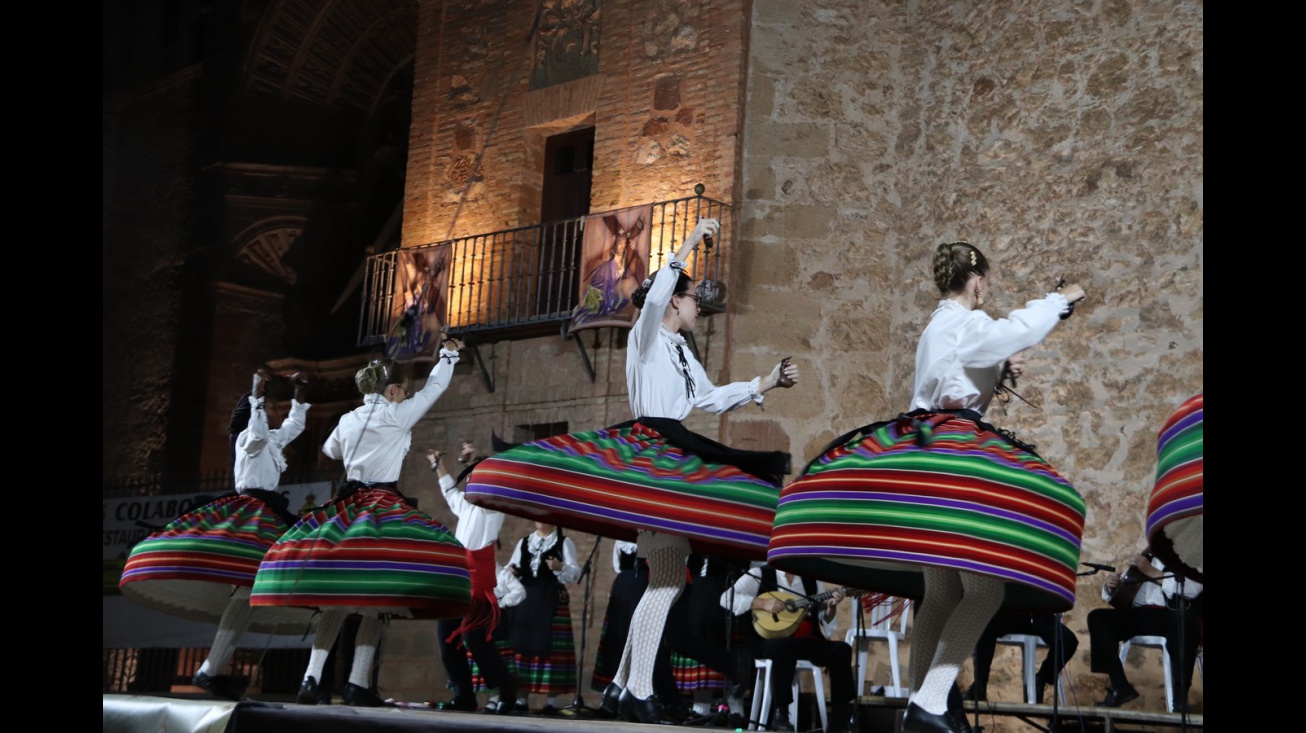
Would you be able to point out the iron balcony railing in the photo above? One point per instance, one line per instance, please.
(525, 281)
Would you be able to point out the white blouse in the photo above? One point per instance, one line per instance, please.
(477, 526)
(960, 356)
(259, 451)
(663, 376)
(373, 439)
(570, 572)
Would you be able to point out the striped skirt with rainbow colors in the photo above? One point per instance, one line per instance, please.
(618, 480)
(369, 550)
(1175, 510)
(932, 489)
(191, 566)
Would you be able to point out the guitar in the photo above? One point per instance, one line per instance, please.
(785, 623)
(1130, 581)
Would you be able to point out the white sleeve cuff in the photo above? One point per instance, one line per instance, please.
(754, 392)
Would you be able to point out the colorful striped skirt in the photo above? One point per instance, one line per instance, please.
(191, 567)
(553, 672)
(368, 550)
(1175, 510)
(933, 489)
(616, 481)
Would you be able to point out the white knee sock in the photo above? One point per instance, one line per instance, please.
(328, 628)
(981, 597)
(235, 619)
(369, 636)
(666, 580)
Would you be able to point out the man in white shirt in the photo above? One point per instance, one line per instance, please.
(809, 640)
(1154, 611)
(478, 531)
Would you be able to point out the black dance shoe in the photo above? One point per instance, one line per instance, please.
(609, 706)
(648, 710)
(363, 697)
(307, 691)
(1117, 697)
(917, 720)
(220, 685)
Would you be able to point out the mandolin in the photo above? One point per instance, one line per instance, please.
(785, 623)
(1130, 581)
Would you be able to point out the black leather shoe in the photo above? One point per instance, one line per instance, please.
(307, 691)
(608, 706)
(1115, 698)
(220, 685)
(917, 720)
(780, 719)
(363, 697)
(977, 693)
(648, 710)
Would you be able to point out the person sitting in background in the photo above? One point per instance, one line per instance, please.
(810, 641)
(1154, 611)
(1061, 642)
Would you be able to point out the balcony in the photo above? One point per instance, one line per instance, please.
(532, 281)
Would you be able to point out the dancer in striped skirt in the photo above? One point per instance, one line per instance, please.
(938, 505)
(1175, 509)
(370, 551)
(202, 564)
(545, 561)
(651, 478)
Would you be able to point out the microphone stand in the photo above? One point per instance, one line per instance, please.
(578, 705)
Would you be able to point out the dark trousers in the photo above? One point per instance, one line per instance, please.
(484, 651)
(1108, 627)
(1043, 625)
(687, 638)
(784, 653)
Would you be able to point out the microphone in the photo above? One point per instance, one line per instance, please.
(1098, 566)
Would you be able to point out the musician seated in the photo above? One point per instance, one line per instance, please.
(795, 635)
(1146, 602)
(1061, 641)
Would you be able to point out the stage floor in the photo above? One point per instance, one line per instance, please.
(190, 714)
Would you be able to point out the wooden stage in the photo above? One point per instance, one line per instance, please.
(202, 714)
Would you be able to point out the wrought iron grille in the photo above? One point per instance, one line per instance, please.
(526, 281)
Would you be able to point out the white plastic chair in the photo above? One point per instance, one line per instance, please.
(1030, 644)
(1154, 642)
(762, 694)
(888, 623)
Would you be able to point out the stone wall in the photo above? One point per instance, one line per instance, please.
(1060, 139)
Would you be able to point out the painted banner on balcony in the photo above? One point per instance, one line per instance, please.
(420, 302)
(615, 254)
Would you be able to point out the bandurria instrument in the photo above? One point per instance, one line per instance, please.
(785, 623)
